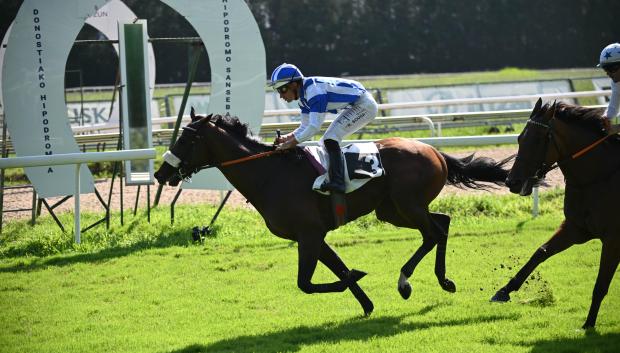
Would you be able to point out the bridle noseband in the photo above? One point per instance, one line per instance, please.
(183, 169)
(545, 167)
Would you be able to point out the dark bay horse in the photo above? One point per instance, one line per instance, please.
(573, 137)
(279, 187)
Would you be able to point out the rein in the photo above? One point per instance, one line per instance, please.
(546, 168)
(589, 147)
(243, 159)
(184, 174)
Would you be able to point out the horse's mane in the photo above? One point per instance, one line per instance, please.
(233, 125)
(588, 118)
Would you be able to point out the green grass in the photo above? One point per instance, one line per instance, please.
(147, 288)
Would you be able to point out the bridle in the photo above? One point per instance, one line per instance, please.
(185, 170)
(547, 167)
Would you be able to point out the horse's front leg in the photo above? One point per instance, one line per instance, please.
(309, 250)
(565, 237)
(330, 259)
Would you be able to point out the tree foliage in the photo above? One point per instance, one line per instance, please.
(380, 37)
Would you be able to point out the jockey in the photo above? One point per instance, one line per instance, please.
(610, 62)
(318, 95)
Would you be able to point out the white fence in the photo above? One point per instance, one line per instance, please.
(428, 119)
(78, 159)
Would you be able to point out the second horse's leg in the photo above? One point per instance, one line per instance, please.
(563, 238)
(610, 257)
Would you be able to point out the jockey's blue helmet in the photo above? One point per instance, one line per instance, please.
(610, 55)
(284, 74)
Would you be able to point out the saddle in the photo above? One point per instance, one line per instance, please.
(362, 163)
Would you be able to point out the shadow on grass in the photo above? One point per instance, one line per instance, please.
(178, 237)
(359, 329)
(590, 342)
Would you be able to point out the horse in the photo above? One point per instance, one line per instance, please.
(575, 139)
(278, 183)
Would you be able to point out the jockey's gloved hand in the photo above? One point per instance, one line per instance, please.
(607, 124)
(278, 140)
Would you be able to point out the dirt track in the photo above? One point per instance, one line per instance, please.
(22, 198)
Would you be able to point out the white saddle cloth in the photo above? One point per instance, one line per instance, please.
(362, 163)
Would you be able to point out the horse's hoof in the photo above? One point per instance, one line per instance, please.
(501, 296)
(448, 285)
(355, 275)
(588, 326)
(405, 290)
(368, 309)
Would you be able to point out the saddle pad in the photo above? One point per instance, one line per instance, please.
(362, 163)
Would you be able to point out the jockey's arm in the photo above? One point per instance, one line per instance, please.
(304, 132)
(614, 101)
(315, 120)
(305, 120)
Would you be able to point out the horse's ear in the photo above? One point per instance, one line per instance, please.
(550, 113)
(538, 105)
(192, 114)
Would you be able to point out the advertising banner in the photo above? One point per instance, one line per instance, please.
(483, 90)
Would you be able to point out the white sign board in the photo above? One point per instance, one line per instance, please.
(33, 78)
(237, 58)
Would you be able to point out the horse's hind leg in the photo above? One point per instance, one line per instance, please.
(433, 228)
(442, 225)
(610, 257)
(404, 288)
(330, 259)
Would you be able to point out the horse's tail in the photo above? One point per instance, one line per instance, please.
(471, 171)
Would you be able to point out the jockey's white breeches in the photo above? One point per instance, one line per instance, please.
(352, 118)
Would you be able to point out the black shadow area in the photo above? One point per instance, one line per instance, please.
(590, 342)
(359, 329)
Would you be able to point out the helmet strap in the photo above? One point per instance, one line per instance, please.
(297, 89)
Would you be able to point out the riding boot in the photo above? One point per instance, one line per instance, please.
(336, 184)
(336, 168)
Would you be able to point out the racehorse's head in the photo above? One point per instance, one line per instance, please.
(183, 160)
(537, 151)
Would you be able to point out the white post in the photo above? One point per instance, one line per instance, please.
(76, 197)
(535, 199)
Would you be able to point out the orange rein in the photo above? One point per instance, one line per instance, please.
(591, 146)
(249, 158)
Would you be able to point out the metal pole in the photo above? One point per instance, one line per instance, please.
(33, 213)
(177, 125)
(4, 155)
(535, 200)
(76, 197)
